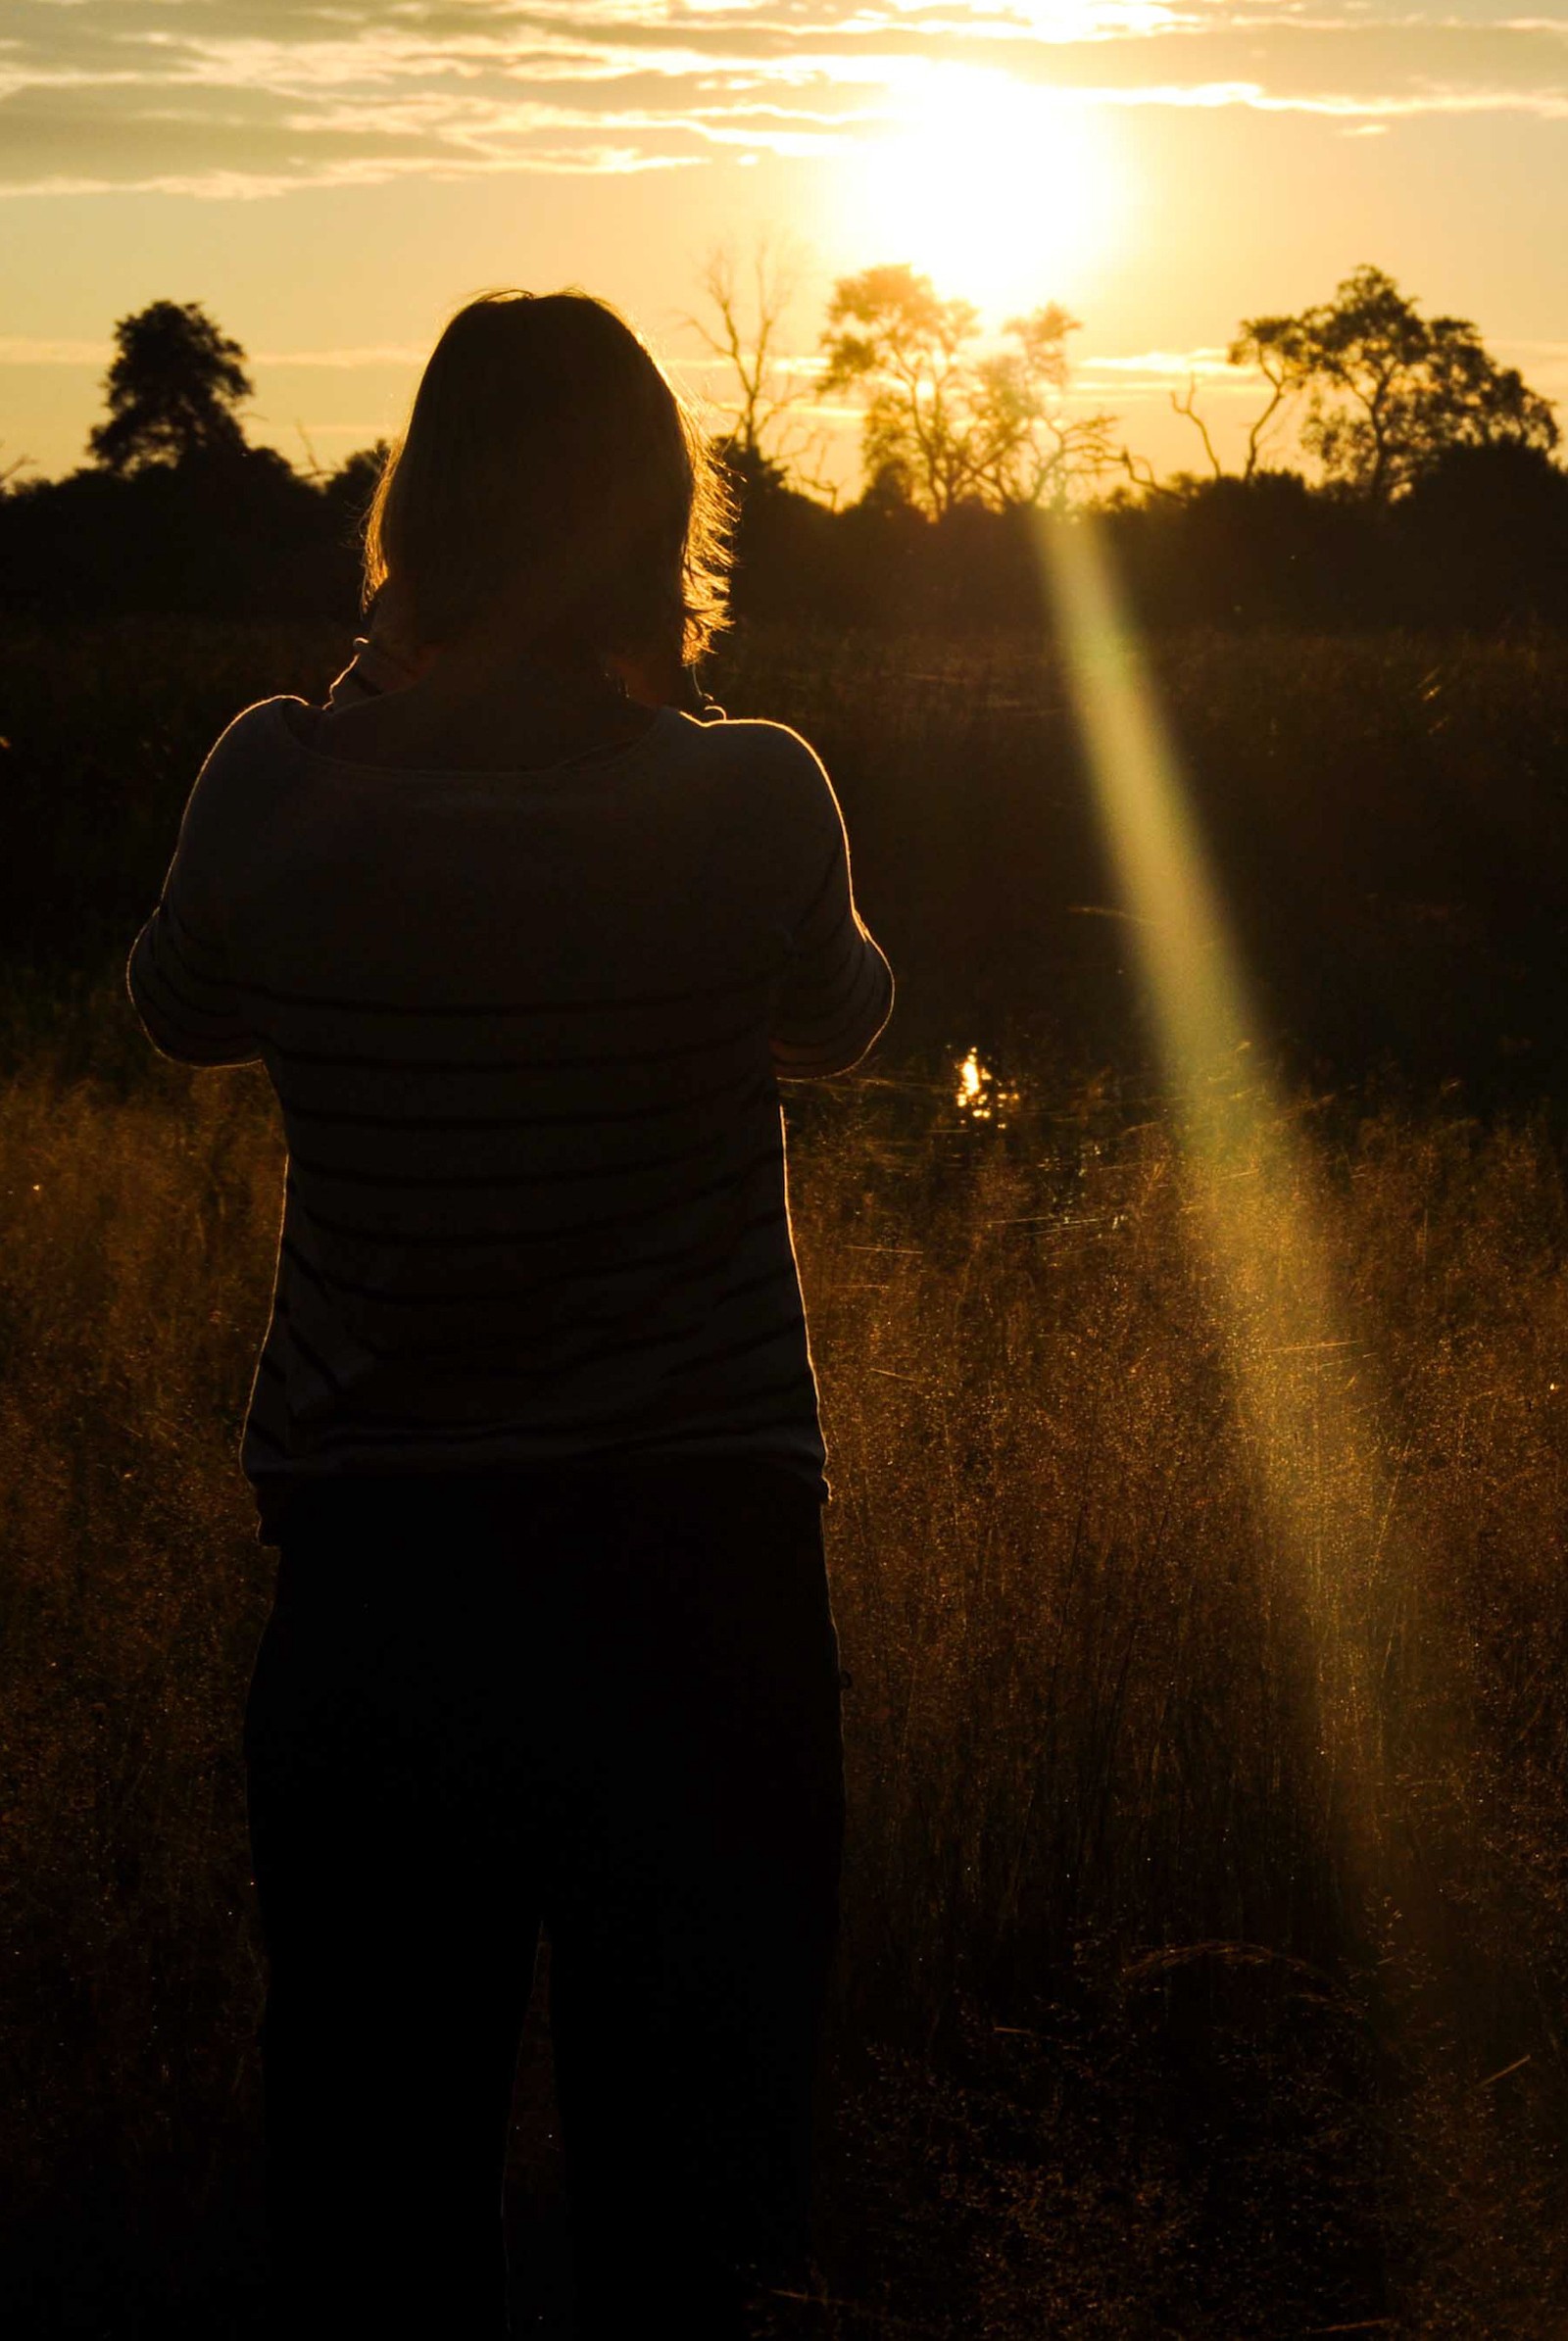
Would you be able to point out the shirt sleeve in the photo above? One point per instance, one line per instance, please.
(179, 976)
(837, 991)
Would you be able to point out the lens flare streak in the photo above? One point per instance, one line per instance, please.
(1299, 1369)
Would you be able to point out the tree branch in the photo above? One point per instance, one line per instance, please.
(1144, 479)
(1190, 409)
(1254, 437)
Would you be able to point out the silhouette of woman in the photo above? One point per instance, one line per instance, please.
(524, 949)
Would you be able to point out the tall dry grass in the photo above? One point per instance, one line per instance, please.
(1124, 2044)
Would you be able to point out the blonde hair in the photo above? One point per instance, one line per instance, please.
(551, 471)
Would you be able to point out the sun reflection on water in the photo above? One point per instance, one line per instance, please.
(981, 1094)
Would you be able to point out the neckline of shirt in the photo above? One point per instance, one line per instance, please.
(596, 760)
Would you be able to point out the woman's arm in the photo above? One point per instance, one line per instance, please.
(187, 1010)
(838, 988)
(178, 975)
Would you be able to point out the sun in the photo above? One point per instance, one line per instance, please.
(1003, 193)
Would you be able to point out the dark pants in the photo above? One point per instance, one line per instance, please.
(606, 1703)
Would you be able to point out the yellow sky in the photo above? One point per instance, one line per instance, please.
(330, 181)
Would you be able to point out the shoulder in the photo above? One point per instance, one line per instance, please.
(241, 777)
(254, 749)
(771, 763)
(270, 728)
(271, 731)
(755, 739)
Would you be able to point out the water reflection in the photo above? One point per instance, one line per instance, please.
(981, 1094)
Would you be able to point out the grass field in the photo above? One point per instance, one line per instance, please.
(1205, 1948)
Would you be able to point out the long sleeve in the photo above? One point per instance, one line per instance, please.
(180, 982)
(838, 988)
(179, 976)
(189, 1013)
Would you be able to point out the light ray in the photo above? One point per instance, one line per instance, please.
(1298, 1364)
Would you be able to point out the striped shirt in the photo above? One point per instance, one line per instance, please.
(526, 1029)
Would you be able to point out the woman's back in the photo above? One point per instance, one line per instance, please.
(526, 1028)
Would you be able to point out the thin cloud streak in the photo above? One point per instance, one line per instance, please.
(1210, 359)
(17, 349)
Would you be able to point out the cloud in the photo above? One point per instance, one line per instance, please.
(19, 349)
(1148, 374)
(265, 95)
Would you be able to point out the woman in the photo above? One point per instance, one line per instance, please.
(524, 950)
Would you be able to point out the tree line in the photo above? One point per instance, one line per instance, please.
(1424, 486)
(1378, 396)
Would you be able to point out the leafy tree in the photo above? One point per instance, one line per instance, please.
(173, 388)
(1388, 391)
(947, 426)
(1030, 450)
(888, 337)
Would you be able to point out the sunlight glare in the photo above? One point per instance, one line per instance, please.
(1002, 193)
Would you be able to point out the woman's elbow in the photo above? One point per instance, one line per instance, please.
(820, 1058)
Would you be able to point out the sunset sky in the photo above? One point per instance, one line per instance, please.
(330, 180)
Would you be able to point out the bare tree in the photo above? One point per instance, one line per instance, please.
(1278, 381)
(1141, 471)
(1188, 407)
(747, 306)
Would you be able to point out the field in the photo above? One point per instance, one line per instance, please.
(1197, 1534)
